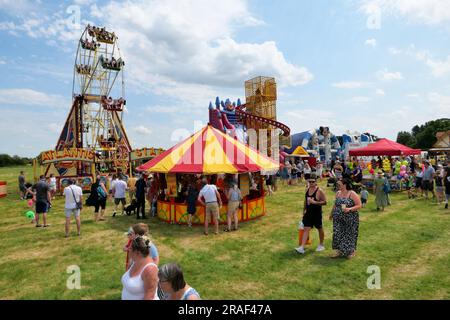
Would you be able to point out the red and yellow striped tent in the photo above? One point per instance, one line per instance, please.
(210, 151)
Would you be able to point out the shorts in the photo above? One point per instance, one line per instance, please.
(22, 188)
(101, 203)
(427, 185)
(307, 176)
(119, 200)
(363, 200)
(212, 208)
(69, 212)
(418, 183)
(312, 220)
(232, 207)
(41, 206)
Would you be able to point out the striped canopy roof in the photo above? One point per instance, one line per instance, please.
(210, 151)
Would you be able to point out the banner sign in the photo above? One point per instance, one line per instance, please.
(145, 153)
(72, 154)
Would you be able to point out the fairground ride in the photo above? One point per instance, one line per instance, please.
(93, 138)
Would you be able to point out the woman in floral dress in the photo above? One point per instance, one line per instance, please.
(345, 218)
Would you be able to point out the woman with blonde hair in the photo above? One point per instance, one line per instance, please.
(140, 281)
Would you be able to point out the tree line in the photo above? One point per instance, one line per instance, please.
(424, 136)
(7, 161)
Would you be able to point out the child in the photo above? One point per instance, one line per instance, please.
(139, 229)
(364, 196)
(410, 185)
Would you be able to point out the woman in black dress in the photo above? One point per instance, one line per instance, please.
(345, 220)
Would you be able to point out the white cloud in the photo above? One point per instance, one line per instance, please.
(439, 68)
(431, 12)
(143, 130)
(192, 44)
(371, 42)
(29, 97)
(380, 92)
(351, 85)
(2, 61)
(440, 104)
(385, 75)
(358, 100)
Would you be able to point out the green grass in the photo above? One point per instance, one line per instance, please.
(409, 242)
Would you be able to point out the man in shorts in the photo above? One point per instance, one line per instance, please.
(73, 194)
(212, 203)
(428, 179)
(312, 213)
(118, 191)
(43, 200)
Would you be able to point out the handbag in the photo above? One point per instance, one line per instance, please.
(79, 205)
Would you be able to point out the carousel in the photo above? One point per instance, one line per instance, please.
(213, 154)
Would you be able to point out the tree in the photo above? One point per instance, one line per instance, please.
(406, 138)
(423, 136)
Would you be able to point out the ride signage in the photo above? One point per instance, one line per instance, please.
(68, 154)
(145, 153)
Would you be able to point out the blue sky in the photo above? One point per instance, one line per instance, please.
(370, 65)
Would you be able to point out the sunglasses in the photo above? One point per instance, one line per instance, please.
(312, 181)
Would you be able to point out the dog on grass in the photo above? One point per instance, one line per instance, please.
(131, 208)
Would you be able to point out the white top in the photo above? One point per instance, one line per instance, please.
(112, 183)
(209, 193)
(120, 187)
(133, 287)
(70, 201)
(52, 182)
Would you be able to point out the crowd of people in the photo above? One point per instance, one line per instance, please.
(145, 279)
(113, 104)
(89, 45)
(83, 69)
(113, 63)
(101, 34)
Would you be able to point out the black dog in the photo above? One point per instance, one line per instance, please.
(131, 208)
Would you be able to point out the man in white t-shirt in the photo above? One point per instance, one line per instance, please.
(212, 203)
(73, 194)
(118, 191)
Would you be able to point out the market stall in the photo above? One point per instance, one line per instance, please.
(210, 152)
(383, 147)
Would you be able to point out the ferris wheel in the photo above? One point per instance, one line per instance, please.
(98, 85)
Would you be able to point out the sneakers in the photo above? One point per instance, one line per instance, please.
(320, 248)
(300, 250)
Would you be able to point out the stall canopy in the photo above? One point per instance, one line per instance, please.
(210, 151)
(384, 147)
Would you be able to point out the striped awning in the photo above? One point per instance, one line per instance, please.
(210, 151)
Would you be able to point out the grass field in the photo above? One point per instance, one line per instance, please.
(409, 242)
